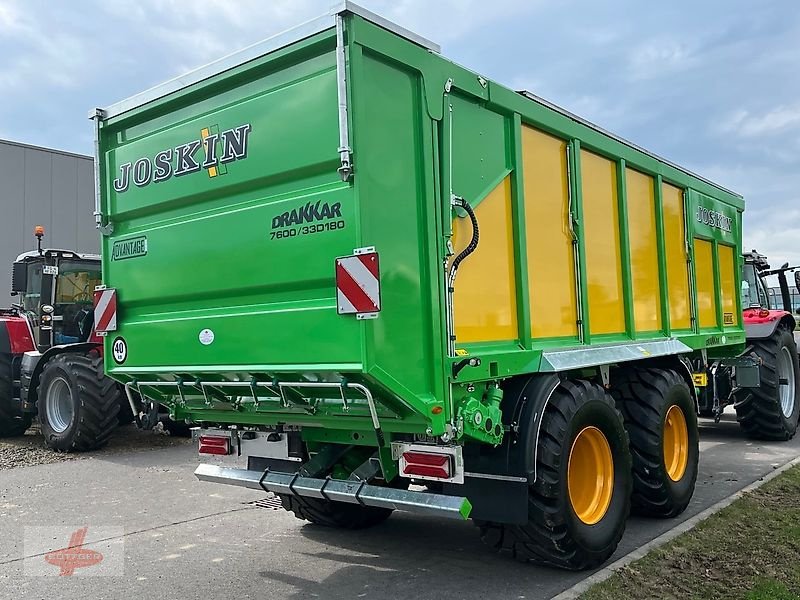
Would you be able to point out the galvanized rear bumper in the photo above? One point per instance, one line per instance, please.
(337, 490)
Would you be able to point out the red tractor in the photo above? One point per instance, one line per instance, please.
(51, 360)
(762, 382)
(51, 363)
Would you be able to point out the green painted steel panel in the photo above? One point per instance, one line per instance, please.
(217, 258)
(480, 148)
(237, 282)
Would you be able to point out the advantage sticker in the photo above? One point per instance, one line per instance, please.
(130, 248)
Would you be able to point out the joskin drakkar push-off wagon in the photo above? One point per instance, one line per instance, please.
(380, 281)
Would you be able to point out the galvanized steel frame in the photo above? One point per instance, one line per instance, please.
(337, 490)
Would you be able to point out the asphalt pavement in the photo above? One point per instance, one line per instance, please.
(181, 538)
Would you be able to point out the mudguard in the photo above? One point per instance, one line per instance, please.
(15, 335)
(761, 323)
(34, 363)
(497, 479)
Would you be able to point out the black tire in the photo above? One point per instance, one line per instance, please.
(707, 413)
(125, 415)
(759, 410)
(334, 514)
(13, 422)
(176, 428)
(92, 397)
(554, 534)
(645, 397)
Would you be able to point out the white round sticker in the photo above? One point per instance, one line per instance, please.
(206, 337)
(119, 350)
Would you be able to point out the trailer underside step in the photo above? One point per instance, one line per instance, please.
(337, 490)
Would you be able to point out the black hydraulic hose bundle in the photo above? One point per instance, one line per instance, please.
(451, 278)
(473, 243)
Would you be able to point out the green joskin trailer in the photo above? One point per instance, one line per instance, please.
(377, 280)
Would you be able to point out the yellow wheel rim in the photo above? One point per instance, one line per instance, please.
(676, 443)
(590, 475)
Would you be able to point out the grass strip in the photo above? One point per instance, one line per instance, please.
(749, 550)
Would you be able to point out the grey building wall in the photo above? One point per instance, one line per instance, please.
(39, 186)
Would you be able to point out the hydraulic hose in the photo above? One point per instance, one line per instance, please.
(473, 243)
(451, 276)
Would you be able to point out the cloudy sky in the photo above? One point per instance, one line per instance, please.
(714, 85)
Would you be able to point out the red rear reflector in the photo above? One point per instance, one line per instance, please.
(105, 310)
(210, 444)
(358, 284)
(427, 465)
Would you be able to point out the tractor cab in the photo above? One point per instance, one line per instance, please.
(756, 294)
(56, 290)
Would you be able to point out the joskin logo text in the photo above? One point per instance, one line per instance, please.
(714, 219)
(218, 150)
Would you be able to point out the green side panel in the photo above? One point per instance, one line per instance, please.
(479, 160)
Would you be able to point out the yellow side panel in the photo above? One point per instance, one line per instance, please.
(677, 267)
(601, 230)
(643, 250)
(727, 275)
(485, 299)
(551, 266)
(704, 276)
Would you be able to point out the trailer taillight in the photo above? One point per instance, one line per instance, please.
(213, 444)
(424, 464)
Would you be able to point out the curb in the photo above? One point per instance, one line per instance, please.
(579, 588)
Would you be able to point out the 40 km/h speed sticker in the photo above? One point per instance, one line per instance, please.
(119, 350)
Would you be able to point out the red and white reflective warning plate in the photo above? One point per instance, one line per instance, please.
(358, 284)
(105, 310)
